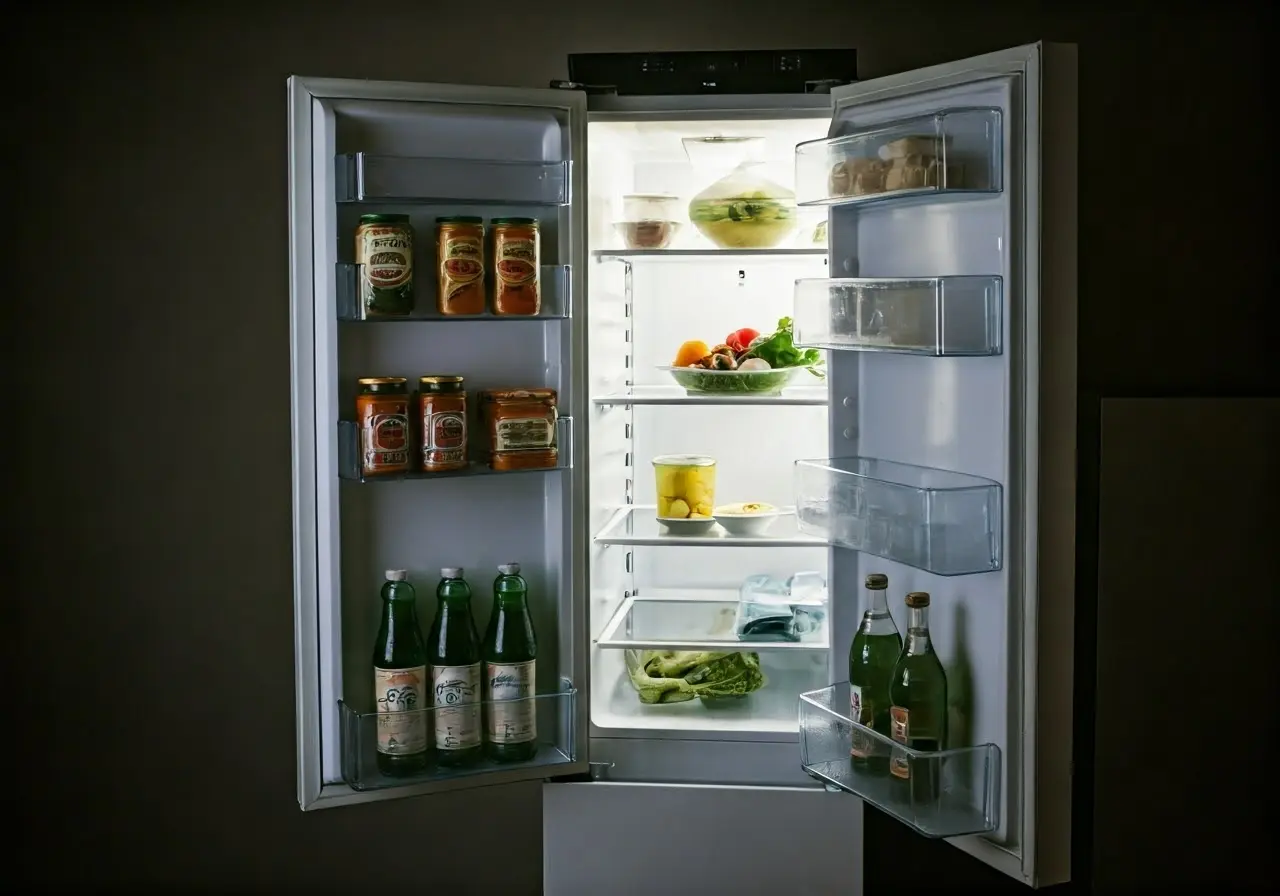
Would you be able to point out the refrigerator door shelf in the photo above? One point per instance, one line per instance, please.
(701, 256)
(361, 177)
(939, 521)
(554, 714)
(951, 151)
(554, 279)
(349, 458)
(702, 621)
(945, 794)
(638, 525)
(939, 316)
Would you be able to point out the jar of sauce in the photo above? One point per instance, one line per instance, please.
(460, 254)
(384, 253)
(516, 257)
(442, 412)
(522, 428)
(382, 410)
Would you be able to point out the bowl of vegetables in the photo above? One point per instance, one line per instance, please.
(746, 363)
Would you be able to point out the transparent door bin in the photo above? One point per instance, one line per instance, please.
(361, 177)
(951, 316)
(349, 466)
(697, 624)
(936, 520)
(944, 794)
(554, 279)
(554, 713)
(957, 151)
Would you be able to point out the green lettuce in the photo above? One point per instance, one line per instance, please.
(668, 676)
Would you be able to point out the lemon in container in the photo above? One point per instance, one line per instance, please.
(686, 486)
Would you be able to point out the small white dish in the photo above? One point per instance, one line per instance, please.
(685, 526)
(747, 520)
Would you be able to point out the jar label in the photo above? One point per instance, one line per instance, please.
(517, 261)
(460, 259)
(386, 255)
(457, 725)
(386, 442)
(516, 722)
(900, 730)
(524, 434)
(400, 698)
(444, 437)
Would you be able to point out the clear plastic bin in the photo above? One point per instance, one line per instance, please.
(939, 521)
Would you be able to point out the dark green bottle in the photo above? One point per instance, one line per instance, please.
(872, 656)
(454, 656)
(918, 716)
(400, 691)
(510, 656)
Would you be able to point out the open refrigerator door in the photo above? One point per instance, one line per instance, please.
(436, 256)
(949, 319)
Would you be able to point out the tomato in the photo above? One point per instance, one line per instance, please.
(738, 340)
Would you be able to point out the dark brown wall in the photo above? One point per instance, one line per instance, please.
(151, 575)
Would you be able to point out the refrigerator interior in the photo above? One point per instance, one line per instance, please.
(648, 586)
(427, 159)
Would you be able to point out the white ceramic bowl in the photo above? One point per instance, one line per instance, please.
(737, 520)
(678, 526)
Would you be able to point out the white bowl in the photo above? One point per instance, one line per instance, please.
(736, 521)
(685, 526)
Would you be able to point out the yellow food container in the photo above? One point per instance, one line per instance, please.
(686, 486)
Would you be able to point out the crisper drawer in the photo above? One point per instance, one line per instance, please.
(940, 521)
(941, 794)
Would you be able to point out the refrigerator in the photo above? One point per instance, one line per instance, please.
(929, 257)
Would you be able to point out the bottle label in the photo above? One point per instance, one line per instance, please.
(899, 730)
(511, 723)
(524, 434)
(861, 746)
(400, 696)
(457, 725)
(516, 261)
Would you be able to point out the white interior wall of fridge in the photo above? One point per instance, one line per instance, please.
(641, 309)
(473, 522)
(953, 413)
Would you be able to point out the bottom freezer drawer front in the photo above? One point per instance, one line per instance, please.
(678, 839)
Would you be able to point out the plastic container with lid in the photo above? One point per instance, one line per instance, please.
(744, 210)
(649, 220)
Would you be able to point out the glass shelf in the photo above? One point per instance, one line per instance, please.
(944, 794)
(555, 725)
(638, 525)
(665, 623)
(349, 457)
(361, 177)
(927, 316)
(796, 395)
(957, 151)
(737, 255)
(941, 522)
(555, 299)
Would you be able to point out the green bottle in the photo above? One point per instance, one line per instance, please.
(510, 655)
(918, 716)
(400, 681)
(454, 655)
(872, 656)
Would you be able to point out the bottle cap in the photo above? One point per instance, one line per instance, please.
(451, 572)
(877, 581)
(918, 599)
(509, 569)
(397, 575)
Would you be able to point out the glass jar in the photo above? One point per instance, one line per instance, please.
(744, 210)
(686, 486)
(649, 220)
